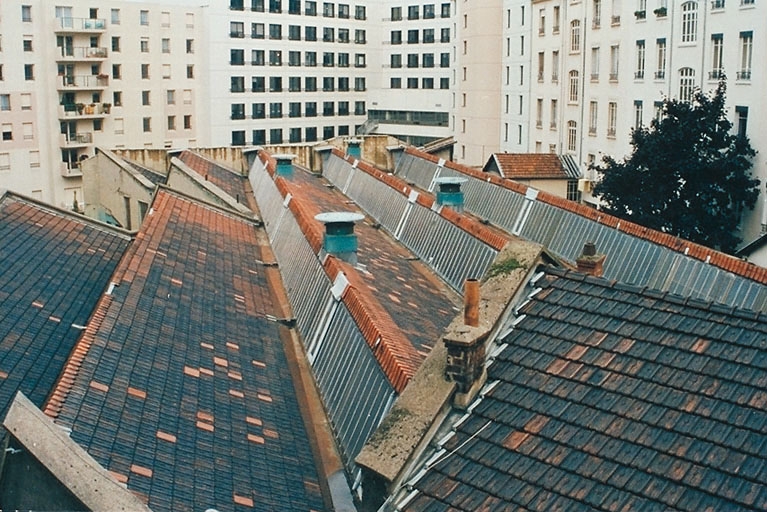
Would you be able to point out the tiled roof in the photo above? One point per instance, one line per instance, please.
(563, 226)
(612, 397)
(231, 182)
(54, 266)
(526, 166)
(154, 177)
(180, 385)
(399, 305)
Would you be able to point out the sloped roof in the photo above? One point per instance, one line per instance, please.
(230, 181)
(527, 166)
(54, 266)
(180, 385)
(612, 397)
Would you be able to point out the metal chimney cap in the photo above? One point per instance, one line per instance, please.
(589, 249)
(450, 180)
(332, 217)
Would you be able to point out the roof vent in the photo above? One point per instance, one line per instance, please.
(450, 192)
(284, 165)
(339, 239)
(354, 148)
(589, 262)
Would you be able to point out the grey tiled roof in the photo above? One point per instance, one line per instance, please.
(54, 265)
(613, 397)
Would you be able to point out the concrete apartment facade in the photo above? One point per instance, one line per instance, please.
(75, 76)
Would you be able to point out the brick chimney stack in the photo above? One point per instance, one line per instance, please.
(589, 262)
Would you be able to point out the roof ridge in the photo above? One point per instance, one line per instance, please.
(676, 244)
(426, 199)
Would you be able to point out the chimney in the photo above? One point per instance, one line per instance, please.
(284, 165)
(450, 192)
(354, 148)
(589, 262)
(466, 349)
(339, 239)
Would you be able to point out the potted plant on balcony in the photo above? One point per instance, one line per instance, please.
(80, 107)
(90, 109)
(106, 107)
(660, 12)
(640, 15)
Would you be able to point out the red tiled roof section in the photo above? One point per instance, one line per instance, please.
(530, 166)
(716, 258)
(491, 237)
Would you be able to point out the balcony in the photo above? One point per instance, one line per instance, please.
(70, 170)
(660, 75)
(717, 4)
(83, 82)
(638, 75)
(75, 140)
(83, 111)
(716, 74)
(744, 75)
(69, 25)
(82, 53)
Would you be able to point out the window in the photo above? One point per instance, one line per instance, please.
(538, 111)
(294, 109)
(294, 135)
(237, 84)
(444, 60)
(190, 20)
(5, 102)
(258, 110)
(236, 29)
(165, 19)
(115, 44)
(612, 118)
(396, 37)
(310, 83)
(427, 83)
(638, 109)
(412, 36)
(258, 57)
(555, 66)
(640, 56)
(275, 6)
(26, 13)
(146, 124)
(572, 135)
(275, 31)
(310, 59)
(343, 60)
(190, 46)
(26, 101)
(27, 45)
(171, 123)
(554, 115)
(395, 83)
(359, 60)
(258, 84)
(641, 12)
(428, 11)
(294, 6)
(444, 83)
(717, 67)
(660, 70)
(595, 64)
(115, 16)
(328, 108)
(144, 18)
(328, 84)
(328, 34)
(328, 9)
(145, 98)
(187, 122)
(294, 58)
(575, 36)
(359, 108)
(275, 136)
(257, 30)
(34, 158)
(343, 11)
(328, 59)
(275, 110)
(310, 109)
(593, 117)
(746, 49)
(427, 60)
(145, 71)
(597, 16)
(311, 8)
(444, 35)
(275, 84)
(445, 11)
(144, 45)
(614, 60)
(555, 21)
(360, 12)
(412, 12)
(574, 86)
(170, 96)
(396, 13)
(686, 83)
(236, 5)
(117, 98)
(741, 120)
(360, 36)
(259, 137)
(275, 57)
(412, 60)
(237, 57)
(29, 71)
(689, 22)
(359, 84)
(343, 83)
(310, 33)
(238, 138)
(428, 35)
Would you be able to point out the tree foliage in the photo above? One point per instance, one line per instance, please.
(687, 174)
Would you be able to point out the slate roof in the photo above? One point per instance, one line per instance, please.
(154, 177)
(54, 266)
(180, 385)
(527, 166)
(612, 397)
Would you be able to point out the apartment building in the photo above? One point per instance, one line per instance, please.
(286, 70)
(414, 83)
(80, 74)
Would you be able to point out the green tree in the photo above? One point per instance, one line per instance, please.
(687, 174)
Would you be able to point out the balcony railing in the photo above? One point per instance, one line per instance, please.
(84, 81)
(716, 74)
(81, 24)
(744, 75)
(639, 74)
(660, 75)
(83, 52)
(81, 109)
(74, 139)
(70, 170)
(717, 4)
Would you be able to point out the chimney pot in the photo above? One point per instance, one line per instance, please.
(590, 262)
(471, 303)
